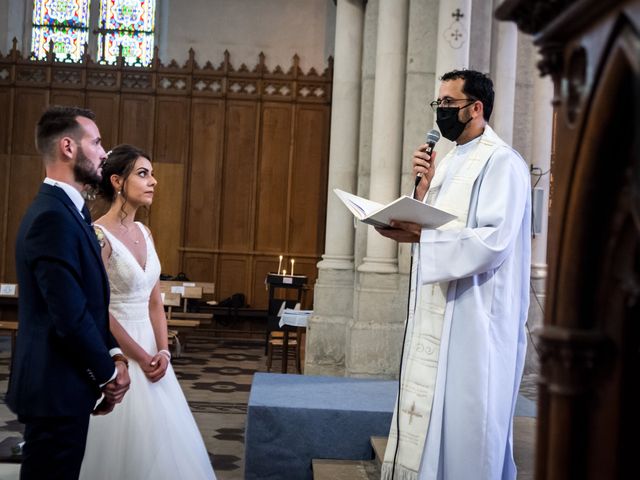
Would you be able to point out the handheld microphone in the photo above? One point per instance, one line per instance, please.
(432, 138)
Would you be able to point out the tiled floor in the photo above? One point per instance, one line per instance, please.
(216, 376)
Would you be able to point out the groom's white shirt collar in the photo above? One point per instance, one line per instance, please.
(72, 193)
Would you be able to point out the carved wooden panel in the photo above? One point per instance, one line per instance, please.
(165, 219)
(106, 106)
(5, 162)
(201, 266)
(66, 97)
(273, 177)
(204, 190)
(30, 105)
(25, 177)
(239, 175)
(171, 130)
(137, 121)
(261, 266)
(235, 269)
(306, 234)
(6, 107)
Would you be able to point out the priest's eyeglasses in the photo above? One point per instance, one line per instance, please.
(447, 102)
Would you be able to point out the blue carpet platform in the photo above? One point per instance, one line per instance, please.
(292, 419)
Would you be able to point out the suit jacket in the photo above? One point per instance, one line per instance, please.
(62, 350)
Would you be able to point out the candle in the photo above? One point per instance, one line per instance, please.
(284, 273)
(292, 262)
(280, 264)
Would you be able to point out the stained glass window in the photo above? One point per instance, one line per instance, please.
(126, 23)
(66, 23)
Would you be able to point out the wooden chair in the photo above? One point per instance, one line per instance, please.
(170, 300)
(276, 343)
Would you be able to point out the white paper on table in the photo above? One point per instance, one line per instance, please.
(295, 318)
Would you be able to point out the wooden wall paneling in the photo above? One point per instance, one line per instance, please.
(5, 170)
(201, 267)
(24, 181)
(29, 105)
(205, 173)
(106, 106)
(261, 266)
(171, 139)
(273, 177)
(6, 106)
(6, 128)
(309, 180)
(166, 214)
(239, 173)
(68, 98)
(232, 275)
(137, 121)
(168, 157)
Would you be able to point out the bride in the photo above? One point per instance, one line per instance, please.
(152, 434)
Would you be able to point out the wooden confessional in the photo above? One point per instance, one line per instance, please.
(588, 404)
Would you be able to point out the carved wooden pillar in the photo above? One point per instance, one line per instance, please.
(590, 359)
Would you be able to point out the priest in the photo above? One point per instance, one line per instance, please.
(465, 343)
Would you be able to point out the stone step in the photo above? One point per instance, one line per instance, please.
(379, 445)
(345, 469)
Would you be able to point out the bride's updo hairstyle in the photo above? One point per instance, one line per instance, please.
(120, 161)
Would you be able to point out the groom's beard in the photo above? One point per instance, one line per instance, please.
(84, 171)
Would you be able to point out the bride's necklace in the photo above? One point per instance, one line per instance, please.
(130, 233)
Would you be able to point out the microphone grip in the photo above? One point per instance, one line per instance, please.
(428, 151)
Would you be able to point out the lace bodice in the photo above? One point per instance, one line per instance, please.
(130, 283)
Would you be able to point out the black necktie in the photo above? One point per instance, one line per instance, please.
(86, 214)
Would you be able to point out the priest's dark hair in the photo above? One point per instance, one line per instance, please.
(477, 85)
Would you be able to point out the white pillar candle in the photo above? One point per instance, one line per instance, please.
(292, 262)
(280, 264)
(284, 273)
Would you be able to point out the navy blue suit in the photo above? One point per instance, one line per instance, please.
(62, 350)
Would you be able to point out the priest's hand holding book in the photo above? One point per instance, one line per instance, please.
(403, 232)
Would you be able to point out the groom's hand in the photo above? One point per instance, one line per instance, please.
(114, 391)
(103, 407)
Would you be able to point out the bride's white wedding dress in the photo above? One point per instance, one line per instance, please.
(152, 433)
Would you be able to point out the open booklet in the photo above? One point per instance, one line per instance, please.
(405, 209)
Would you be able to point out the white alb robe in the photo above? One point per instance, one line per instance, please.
(483, 340)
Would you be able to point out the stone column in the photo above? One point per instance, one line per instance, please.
(388, 110)
(505, 47)
(541, 163)
(372, 338)
(333, 295)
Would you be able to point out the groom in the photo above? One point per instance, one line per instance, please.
(65, 356)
